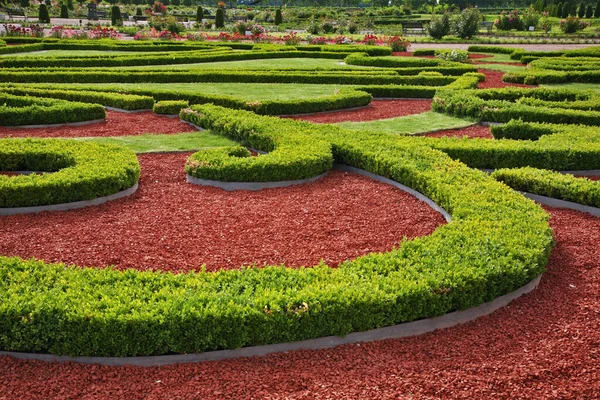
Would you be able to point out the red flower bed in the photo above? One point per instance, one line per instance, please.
(472, 132)
(542, 346)
(116, 124)
(172, 225)
(493, 79)
(378, 109)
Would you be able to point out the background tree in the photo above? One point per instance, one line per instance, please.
(187, 3)
(43, 16)
(597, 10)
(220, 18)
(589, 12)
(581, 11)
(200, 14)
(278, 17)
(64, 11)
(565, 10)
(116, 19)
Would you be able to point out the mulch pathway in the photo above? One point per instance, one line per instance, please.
(175, 226)
(116, 124)
(472, 132)
(378, 109)
(544, 345)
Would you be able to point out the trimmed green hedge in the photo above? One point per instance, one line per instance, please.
(395, 62)
(558, 70)
(23, 110)
(493, 49)
(504, 241)
(79, 171)
(551, 184)
(170, 107)
(122, 101)
(2, 43)
(530, 105)
(291, 154)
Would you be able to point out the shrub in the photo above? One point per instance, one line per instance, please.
(327, 26)
(531, 17)
(572, 25)
(220, 18)
(170, 107)
(589, 12)
(398, 44)
(597, 10)
(352, 27)
(506, 22)
(116, 19)
(278, 17)
(44, 17)
(64, 11)
(199, 14)
(466, 24)
(581, 10)
(439, 26)
(565, 10)
(452, 55)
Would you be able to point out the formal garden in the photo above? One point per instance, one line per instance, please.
(254, 209)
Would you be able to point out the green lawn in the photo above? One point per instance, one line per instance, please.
(411, 124)
(579, 86)
(158, 143)
(503, 67)
(493, 57)
(276, 63)
(244, 91)
(72, 53)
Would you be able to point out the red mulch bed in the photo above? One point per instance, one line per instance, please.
(477, 56)
(591, 178)
(472, 132)
(116, 124)
(402, 54)
(493, 79)
(172, 225)
(516, 63)
(542, 346)
(378, 109)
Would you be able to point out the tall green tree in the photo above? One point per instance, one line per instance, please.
(64, 11)
(581, 10)
(589, 11)
(116, 19)
(278, 17)
(43, 16)
(565, 9)
(597, 10)
(220, 18)
(200, 14)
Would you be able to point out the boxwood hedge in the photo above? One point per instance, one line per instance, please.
(496, 242)
(74, 171)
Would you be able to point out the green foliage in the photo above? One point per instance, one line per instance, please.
(581, 10)
(452, 55)
(43, 15)
(18, 111)
(278, 17)
(589, 12)
(115, 16)
(439, 26)
(466, 24)
(504, 242)
(170, 107)
(199, 14)
(597, 10)
(76, 171)
(566, 8)
(64, 11)
(220, 18)
(492, 49)
(551, 184)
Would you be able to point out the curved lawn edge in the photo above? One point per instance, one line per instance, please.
(69, 206)
(407, 329)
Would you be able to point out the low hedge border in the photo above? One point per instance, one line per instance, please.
(170, 107)
(504, 242)
(80, 171)
(395, 62)
(23, 110)
(558, 70)
(530, 105)
(127, 102)
(551, 184)
(493, 49)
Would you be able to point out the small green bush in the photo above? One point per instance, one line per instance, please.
(170, 107)
(44, 17)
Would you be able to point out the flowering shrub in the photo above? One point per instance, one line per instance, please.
(342, 40)
(545, 23)
(63, 32)
(147, 34)
(452, 55)
(398, 43)
(196, 37)
(291, 39)
(100, 32)
(14, 30)
(371, 40)
(531, 17)
(241, 27)
(318, 40)
(167, 35)
(572, 25)
(159, 8)
(257, 29)
(506, 22)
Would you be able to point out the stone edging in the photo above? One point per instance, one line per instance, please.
(391, 332)
(230, 186)
(552, 202)
(127, 111)
(68, 206)
(82, 123)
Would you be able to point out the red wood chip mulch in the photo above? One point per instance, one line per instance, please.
(378, 109)
(544, 345)
(116, 124)
(172, 225)
(493, 79)
(472, 132)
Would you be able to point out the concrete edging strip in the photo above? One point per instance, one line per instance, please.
(127, 111)
(552, 202)
(69, 206)
(230, 186)
(82, 123)
(391, 332)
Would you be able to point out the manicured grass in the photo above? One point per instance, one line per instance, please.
(72, 53)
(503, 67)
(158, 143)
(411, 124)
(493, 57)
(579, 86)
(244, 91)
(277, 63)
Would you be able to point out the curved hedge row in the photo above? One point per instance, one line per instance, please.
(504, 241)
(79, 171)
(292, 155)
(402, 62)
(558, 70)
(23, 110)
(531, 105)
